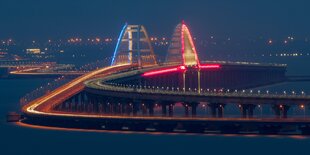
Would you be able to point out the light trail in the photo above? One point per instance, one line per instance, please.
(25, 70)
(31, 108)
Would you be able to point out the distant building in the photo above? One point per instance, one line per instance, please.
(3, 55)
(33, 51)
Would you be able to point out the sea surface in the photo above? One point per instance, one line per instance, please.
(19, 140)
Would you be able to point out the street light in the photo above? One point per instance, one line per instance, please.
(304, 109)
(261, 110)
(204, 108)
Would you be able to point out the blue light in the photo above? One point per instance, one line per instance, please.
(118, 43)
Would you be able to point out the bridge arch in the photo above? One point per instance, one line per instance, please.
(134, 47)
(182, 48)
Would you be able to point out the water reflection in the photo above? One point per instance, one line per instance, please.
(298, 137)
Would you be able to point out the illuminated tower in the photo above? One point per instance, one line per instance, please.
(182, 49)
(134, 47)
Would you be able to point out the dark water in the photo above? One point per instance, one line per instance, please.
(17, 140)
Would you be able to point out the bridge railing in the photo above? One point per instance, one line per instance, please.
(202, 92)
(58, 82)
(43, 90)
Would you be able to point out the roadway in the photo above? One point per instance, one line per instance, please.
(40, 111)
(101, 87)
(44, 104)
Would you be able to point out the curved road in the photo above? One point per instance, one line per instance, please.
(44, 104)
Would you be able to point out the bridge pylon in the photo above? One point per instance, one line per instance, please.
(134, 47)
(182, 48)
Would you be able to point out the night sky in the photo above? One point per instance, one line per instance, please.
(49, 19)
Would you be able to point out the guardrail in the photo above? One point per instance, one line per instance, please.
(103, 84)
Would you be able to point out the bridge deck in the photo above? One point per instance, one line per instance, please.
(44, 104)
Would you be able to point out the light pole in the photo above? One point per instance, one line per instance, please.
(304, 110)
(261, 111)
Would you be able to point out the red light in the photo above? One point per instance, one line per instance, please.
(184, 29)
(162, 71)
(151, 73)
(209, 66)
(182, 40)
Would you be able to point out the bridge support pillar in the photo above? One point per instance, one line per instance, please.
(135, 107)
(109, 107)
(220, 111)
(103, 106)
(281, 110)
(186, 106)
(194, 109)
(96, 104)
(217, 109)
(129, 108)
(247, 110)
(144, 109)
(87, 102)
(124, 108)
(83, 101)
(285, 110)
(251, 111)
(164, 109)
(170, 110)
(63, 106)
(213, 111)
(69, 105)
(76, 102)
(244, 111)
(115, 108)
(151, 109)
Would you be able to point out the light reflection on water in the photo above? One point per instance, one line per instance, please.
(300, 137)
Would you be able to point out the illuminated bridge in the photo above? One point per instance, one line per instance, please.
(30, 69)
(184, 94)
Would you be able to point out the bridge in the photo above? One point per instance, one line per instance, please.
(27, 69)
(137, 93)
(20, 63)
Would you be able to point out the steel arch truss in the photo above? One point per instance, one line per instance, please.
(134, 47)
(182, 49)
